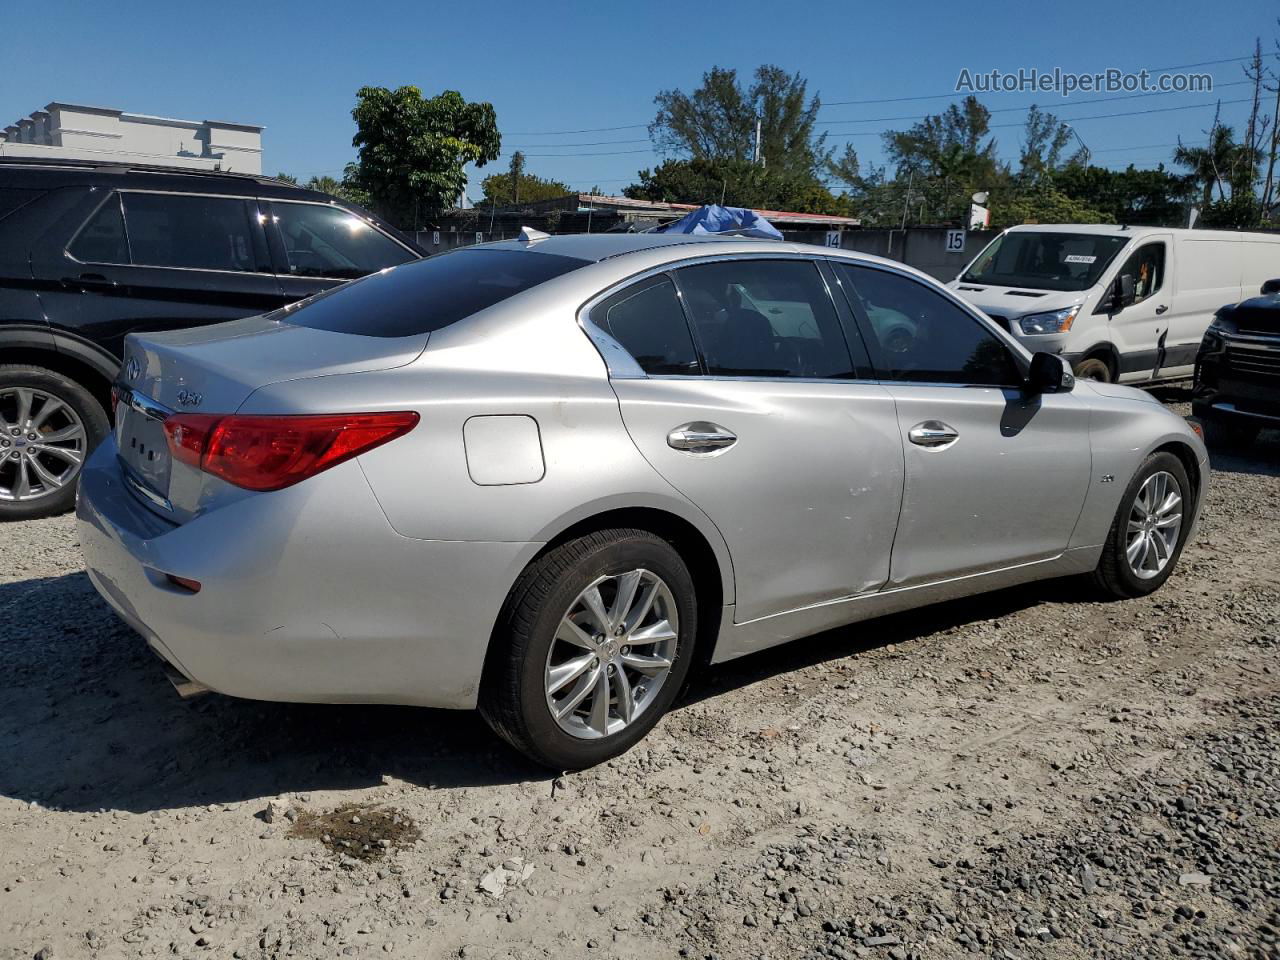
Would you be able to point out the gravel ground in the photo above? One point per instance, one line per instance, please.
(1025, 774)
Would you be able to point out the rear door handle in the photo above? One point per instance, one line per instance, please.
(1162, 308)
(932, 433)
(90, 281)
(701, 437)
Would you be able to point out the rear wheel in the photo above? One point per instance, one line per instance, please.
(48, 425)
(1094, 368)
(595, 643)
(1149, 529)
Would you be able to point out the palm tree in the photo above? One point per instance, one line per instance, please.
(325, 185)
(1213, 165)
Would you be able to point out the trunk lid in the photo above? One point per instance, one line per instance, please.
(213, 370)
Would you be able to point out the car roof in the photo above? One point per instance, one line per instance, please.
(605, 246)
(28, 172)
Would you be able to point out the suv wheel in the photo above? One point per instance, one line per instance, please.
(1149, 529)
(48, 425)
(596, 639)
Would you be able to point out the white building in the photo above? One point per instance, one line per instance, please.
(74, 131)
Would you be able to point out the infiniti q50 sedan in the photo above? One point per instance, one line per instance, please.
(547, 477)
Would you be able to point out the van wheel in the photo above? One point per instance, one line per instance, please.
(1149, 529)
(49, 424)
(593, 645)
(1094, 368)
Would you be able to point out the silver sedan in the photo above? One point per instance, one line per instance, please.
(549, 477)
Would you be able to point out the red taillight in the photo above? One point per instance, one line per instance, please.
(268, 453)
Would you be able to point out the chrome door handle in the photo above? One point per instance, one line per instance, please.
(700, 437)
(932, 433)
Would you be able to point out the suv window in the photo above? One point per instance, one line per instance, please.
(322, 241)
(102, 239)
(918, 335)
(1146, 266)
(647, 320)
(428, 294)
(764, 318)
(11, 198)
(176, 230)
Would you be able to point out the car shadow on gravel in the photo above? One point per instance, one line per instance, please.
(88, 721)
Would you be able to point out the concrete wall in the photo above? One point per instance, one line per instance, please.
(921, 247)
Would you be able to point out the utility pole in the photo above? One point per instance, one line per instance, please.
(757, 156)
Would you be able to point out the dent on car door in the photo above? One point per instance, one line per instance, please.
(994, 476)
(763, 424)
(154, 261)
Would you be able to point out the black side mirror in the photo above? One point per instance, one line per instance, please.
(1050, 374)
(1271, 286)
(1124, 292)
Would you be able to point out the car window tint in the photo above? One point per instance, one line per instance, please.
(102, 239)
(427, 294)
(321, 241)
(11, 198)
(206, 233)
(764, 318)
(920, 336)
(647, 320)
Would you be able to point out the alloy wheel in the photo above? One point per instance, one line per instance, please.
(1155, 520)
(42, 444)
(612, 652)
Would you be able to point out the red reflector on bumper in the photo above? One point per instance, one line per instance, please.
(185, 583)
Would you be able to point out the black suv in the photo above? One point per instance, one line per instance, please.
(1237, 379)
(90, 252)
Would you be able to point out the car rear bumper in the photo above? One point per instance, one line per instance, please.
(307, 593)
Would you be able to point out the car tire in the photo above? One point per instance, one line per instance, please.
(1230, 435)
(79, 409)
(518, 694)
(1116, 575)
(1094, 368)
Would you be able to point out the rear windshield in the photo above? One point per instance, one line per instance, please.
(1045, 261)
(428, 295)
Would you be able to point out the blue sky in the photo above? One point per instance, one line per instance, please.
(580, 66)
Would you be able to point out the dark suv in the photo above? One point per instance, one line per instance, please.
(1237, 380)
(90, 252)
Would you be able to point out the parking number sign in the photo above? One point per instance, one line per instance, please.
(955, 241)
(833, 238)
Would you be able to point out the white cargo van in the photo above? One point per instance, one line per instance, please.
(1125, 304)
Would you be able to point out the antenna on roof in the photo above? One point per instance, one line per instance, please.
(528, 234)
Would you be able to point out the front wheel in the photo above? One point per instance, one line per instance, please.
(592, 647)
(48, 425)
(1149, 529)
(1093, 369)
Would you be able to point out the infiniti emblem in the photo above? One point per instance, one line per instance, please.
(132, 369)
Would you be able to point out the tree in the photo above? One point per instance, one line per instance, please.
(504, 190)
(1042, 204)
(287, 178)
(1044, 147)
(1148, 197)
(412, 150)
(710, 139)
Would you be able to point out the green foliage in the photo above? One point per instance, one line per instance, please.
(1042, 203)
(287, 178)
(737, 183)
(1139, 197)
(516, 186)
(412, 150)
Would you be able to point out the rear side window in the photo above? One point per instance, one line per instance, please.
(11, 198)
(102, 239)
(203, 233)
(322, 241)
(765, 318)
(647, 320)
(917, 335)
(429, 294)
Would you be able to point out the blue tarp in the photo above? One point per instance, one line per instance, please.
(713, 218)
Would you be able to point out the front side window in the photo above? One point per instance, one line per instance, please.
(1045, 261)
(102, 239)
(918, 335)
(647, 320)
(765, 318)
(323, 241)
(175, 230)
(1146, 266)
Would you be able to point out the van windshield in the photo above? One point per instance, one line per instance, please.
(1045, 261)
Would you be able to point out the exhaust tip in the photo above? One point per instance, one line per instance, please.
(184, 685)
